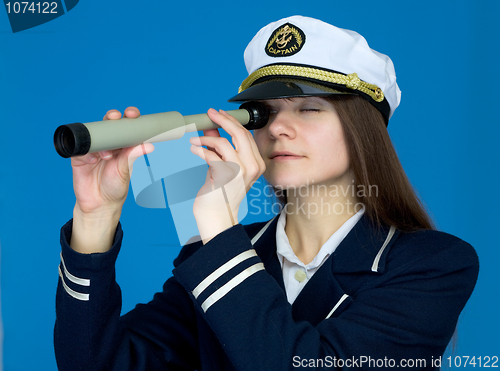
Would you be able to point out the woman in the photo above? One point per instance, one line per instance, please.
(350, 274)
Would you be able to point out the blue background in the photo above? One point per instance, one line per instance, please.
(188, 56)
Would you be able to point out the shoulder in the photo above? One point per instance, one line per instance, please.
(431, 250)
(190, 248)
(431, 242)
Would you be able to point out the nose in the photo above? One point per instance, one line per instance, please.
(282, 125)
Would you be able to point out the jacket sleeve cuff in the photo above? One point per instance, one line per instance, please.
(219, 266)
(76, 270)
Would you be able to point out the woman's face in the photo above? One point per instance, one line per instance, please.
(303, 143)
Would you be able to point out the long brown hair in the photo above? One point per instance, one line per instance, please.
(374, 162)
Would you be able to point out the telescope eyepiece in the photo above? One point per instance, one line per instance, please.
(72, 140)
(259, 115)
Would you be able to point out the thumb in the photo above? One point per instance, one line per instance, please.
(129, 155)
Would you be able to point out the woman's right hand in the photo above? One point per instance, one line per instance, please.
(101, 182)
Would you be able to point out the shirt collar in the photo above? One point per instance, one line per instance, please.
(285, 251)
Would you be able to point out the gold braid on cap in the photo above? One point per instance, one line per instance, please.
(351, 81)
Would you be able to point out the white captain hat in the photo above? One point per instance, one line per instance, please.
(300, 56)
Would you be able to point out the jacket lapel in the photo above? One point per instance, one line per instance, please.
(355, 254)
(359, 249)
(318, 297)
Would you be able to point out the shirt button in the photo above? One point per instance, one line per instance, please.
(300, 275)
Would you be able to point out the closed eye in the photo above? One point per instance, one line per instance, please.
(270, 109)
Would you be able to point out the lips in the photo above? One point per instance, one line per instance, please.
(275, 154)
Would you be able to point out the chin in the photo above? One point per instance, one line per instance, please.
(297, 179)
(288, 180)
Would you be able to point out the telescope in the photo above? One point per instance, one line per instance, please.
(79, 139)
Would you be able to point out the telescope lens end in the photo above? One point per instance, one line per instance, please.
(72, 140)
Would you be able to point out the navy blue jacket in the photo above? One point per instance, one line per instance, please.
(382, 298)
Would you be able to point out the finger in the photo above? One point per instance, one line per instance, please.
(106, 155)
(254, 147)
(140, 150)
(258, 156)
(205, 154)
(250, 136)
(211, 133)
(128, 155)
(221, 172)
(112, 114)
(224, 113)
(89, 158)
(256, 166)
(132, 112)
(219, 145)
(92, 158)
(215, 162)
(244, 143)
(237, 132)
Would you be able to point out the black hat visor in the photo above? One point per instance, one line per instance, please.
(284, 88)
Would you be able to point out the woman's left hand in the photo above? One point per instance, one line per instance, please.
(231, 174)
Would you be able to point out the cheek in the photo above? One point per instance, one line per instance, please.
(341, 146)
(334, 148)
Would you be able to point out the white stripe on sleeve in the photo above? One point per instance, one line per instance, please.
(78, 281)
(220, 293)
(221, 270)
(73, 293)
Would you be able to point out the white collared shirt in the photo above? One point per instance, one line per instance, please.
(295, 273)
